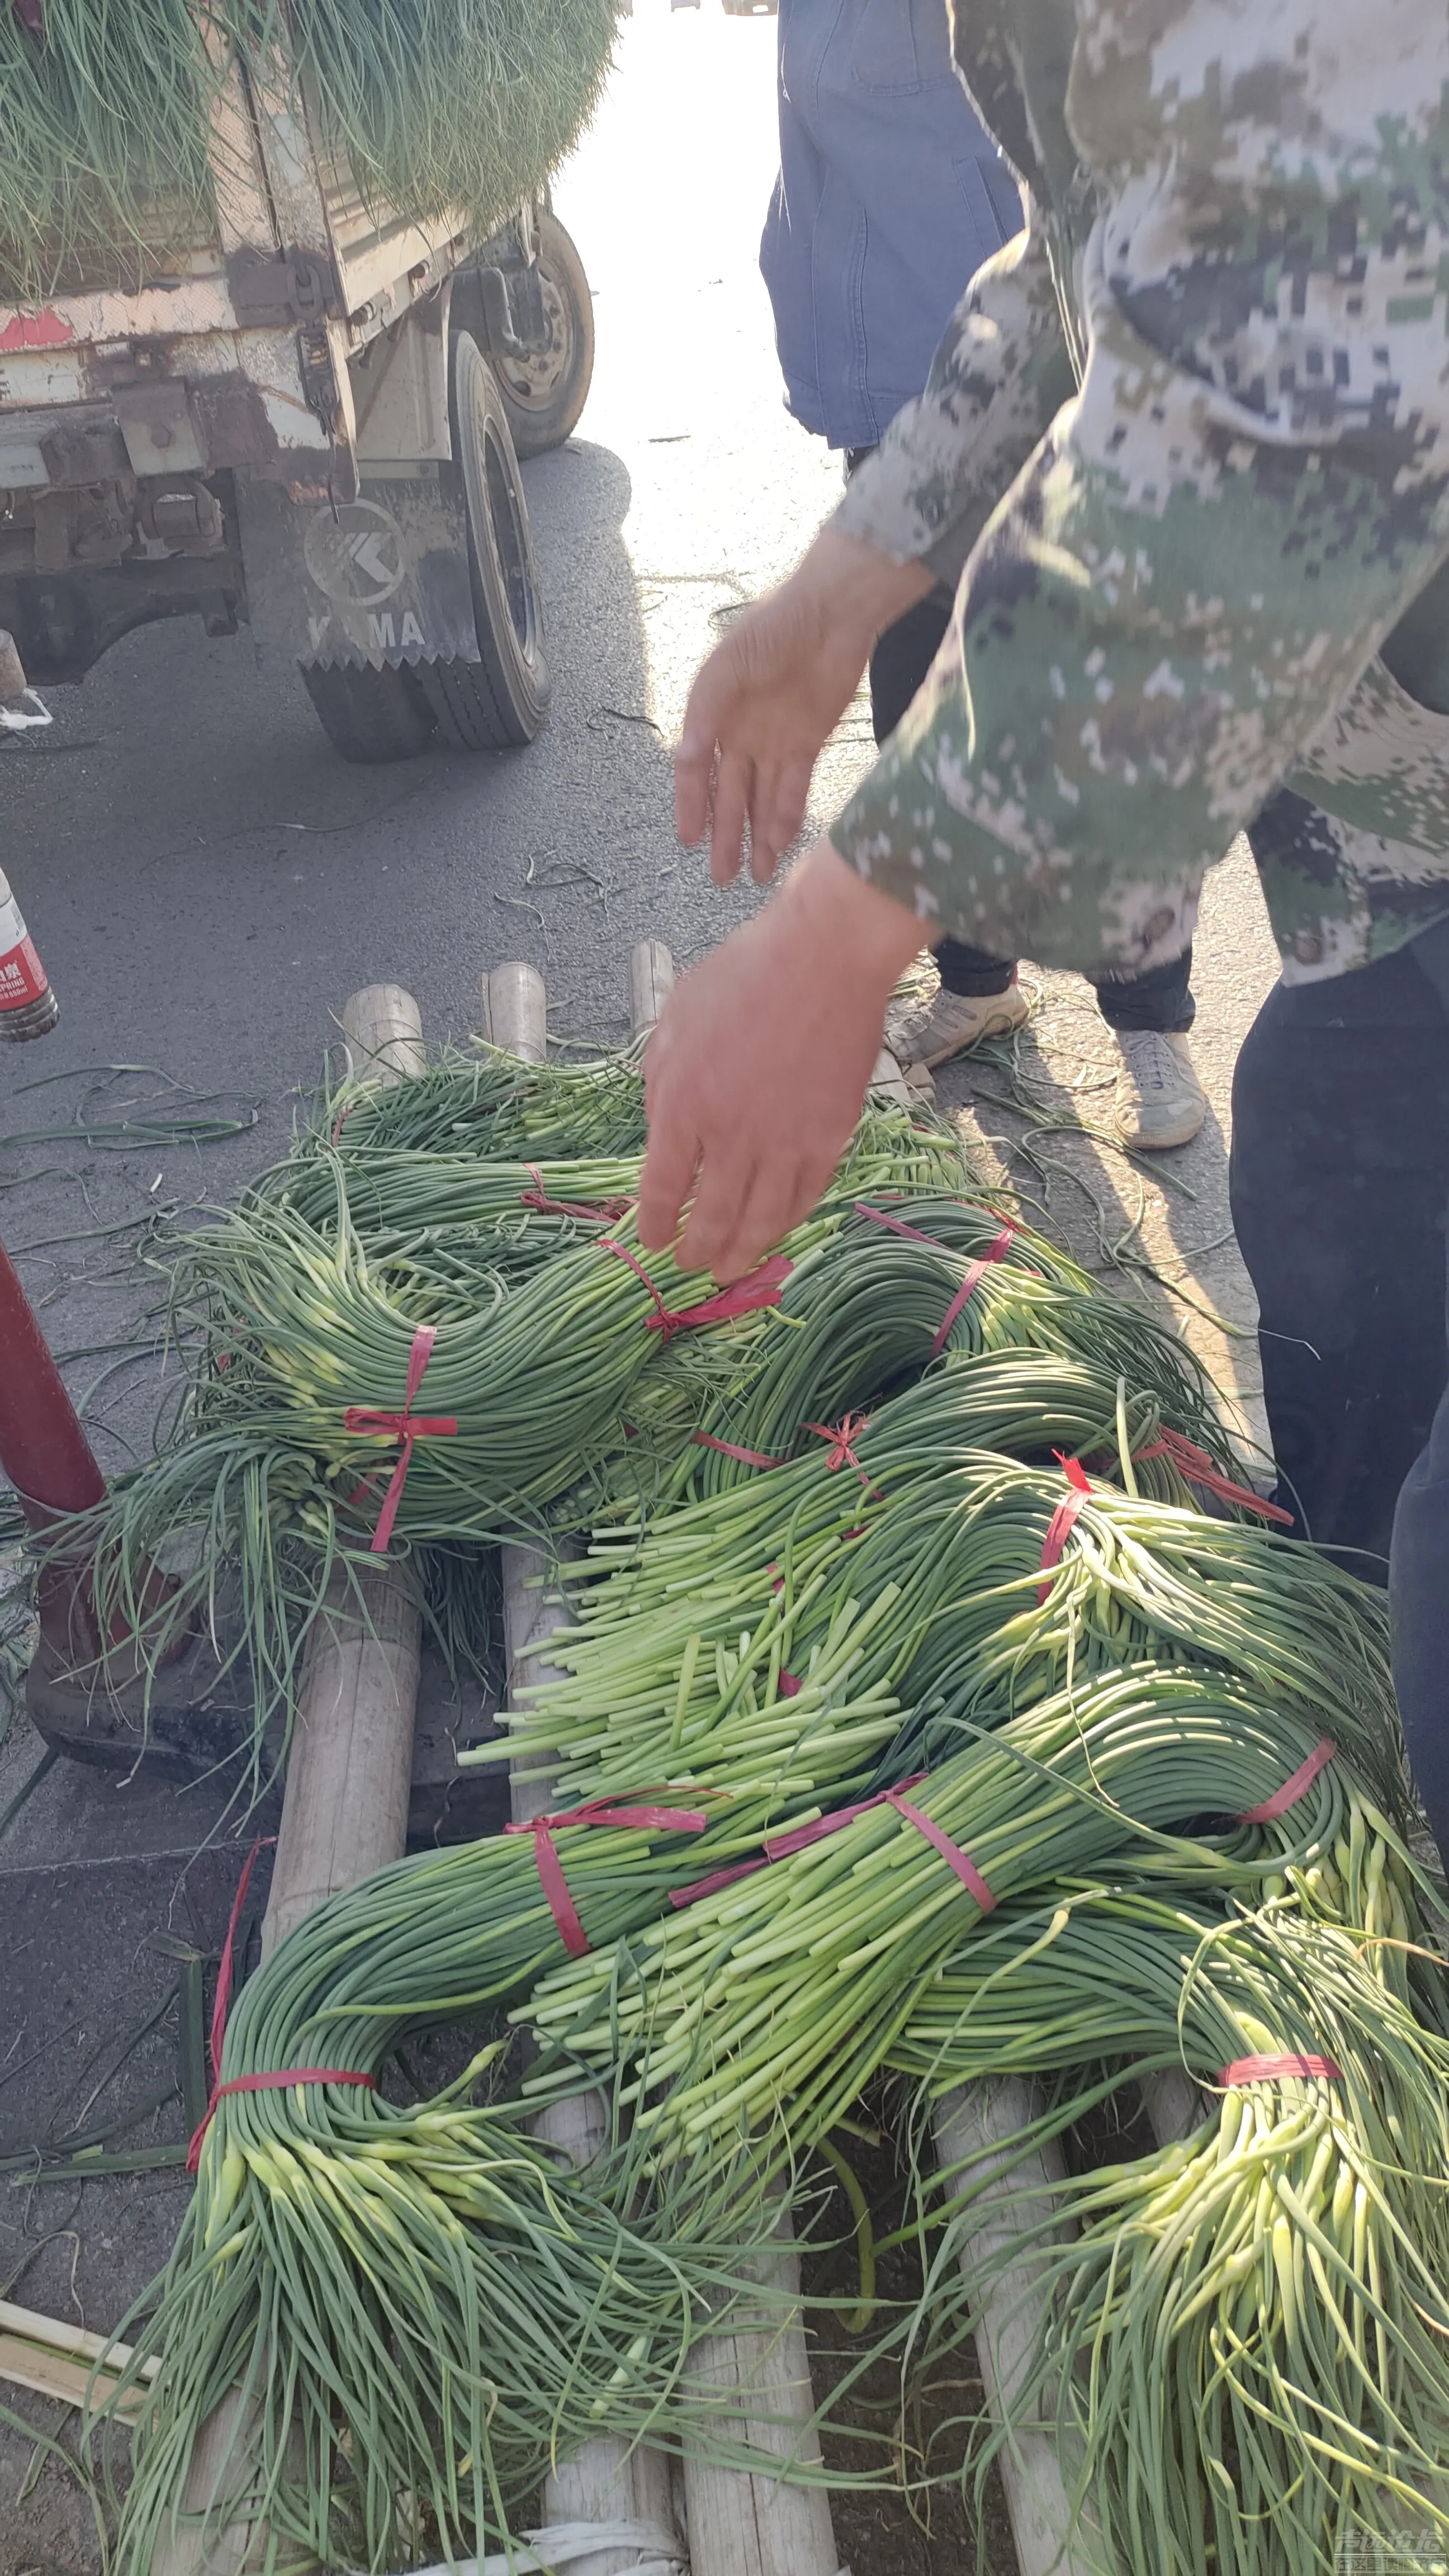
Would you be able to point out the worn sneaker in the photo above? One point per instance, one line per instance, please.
(1160, 1100)
(931, 1029)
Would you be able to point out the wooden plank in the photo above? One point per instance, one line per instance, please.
(344, 1809)
(1015, 2198)
(78, 2341)
(651, 981)
(1173, 2104)
(56, 2360)
(344, 1814)
(349, 1771)
(49, 2374)
(515, 1010)
(384, 1032)
(605, 2481)
(747, 2523)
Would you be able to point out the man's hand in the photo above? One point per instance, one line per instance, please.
(771, 694)
(758, 1067)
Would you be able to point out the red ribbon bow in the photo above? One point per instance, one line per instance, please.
(842, 1439)
(406, 1426)
(593, 1811)
(1197, 1467)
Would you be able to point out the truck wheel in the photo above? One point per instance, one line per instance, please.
(371, 716)
(500, 700)
(544, 393)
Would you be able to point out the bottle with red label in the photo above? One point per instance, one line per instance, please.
(28, 1008)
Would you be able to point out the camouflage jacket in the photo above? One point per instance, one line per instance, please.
(1189, 437)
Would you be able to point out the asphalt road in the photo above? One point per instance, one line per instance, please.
(207, 882)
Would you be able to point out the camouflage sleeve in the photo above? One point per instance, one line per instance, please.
(997, 380)
(1202, 555)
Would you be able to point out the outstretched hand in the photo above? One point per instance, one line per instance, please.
(769, 696)
(758, 1067)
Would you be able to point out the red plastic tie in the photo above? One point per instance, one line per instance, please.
(221, 2003)
(783, 1846)
(842, 1439)
(1267, 2070)
(1197, 1467)
(727, 1449)
(762, 1288)
(1293, 1789)
(600, 1212)
(407, 1427)
(996, 1251)
(962, 1863)
(1059, 1527)
(281, 2083)
(717, 1879)
(594, 1811)
(624, 1253)
(897, 1225)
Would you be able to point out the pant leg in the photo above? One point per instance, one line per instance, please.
(898, 665)
(1419, 1601)
(1338, 1180)
(1160, 999)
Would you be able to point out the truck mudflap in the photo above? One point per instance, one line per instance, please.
(381, 580)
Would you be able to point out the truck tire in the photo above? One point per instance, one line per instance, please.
(371, 716)
(499, 701)
(545, 393)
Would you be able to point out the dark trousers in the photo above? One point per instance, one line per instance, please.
(1160, 999)
(1340, 1182)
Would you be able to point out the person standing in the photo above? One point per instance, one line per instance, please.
(1188, 436)
(891, 195)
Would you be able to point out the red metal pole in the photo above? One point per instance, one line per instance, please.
(43, 1449)
(54, 1470)
(50, 1463)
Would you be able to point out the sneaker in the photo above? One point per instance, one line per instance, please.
(929, 1030)
(1160, 1100)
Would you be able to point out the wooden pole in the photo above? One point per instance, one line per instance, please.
(743, 2523)
(344, 1814)
(605, 2481)
(1173, 2104)
(515, 1010)
(345, 1806)
(746, 2523)
(651, 981)
(1017, 2197)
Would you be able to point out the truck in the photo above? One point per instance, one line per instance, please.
(310, 423)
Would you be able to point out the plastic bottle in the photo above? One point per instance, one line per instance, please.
(28, 1008)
